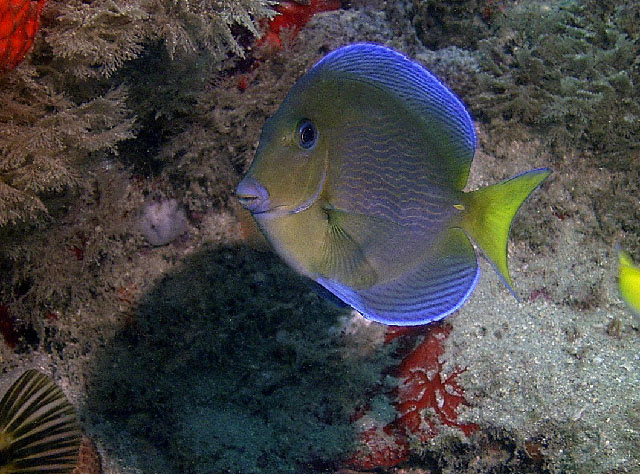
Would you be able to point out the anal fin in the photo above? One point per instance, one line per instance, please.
(435, 288)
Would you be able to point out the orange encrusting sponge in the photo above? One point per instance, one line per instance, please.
(19, 23)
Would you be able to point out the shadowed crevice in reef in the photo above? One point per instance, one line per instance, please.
(230, 364)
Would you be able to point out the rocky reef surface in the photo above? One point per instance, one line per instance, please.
(204, 353)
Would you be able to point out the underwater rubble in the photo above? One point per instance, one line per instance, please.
(204, 353)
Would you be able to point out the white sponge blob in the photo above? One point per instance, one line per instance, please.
(162, 221)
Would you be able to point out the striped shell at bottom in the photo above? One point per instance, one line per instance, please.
(39, 432)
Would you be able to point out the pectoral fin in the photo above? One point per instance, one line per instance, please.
(343, 255)
(360, 251)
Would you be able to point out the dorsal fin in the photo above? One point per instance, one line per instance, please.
(447, 119)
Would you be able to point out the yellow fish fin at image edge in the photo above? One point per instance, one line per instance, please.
(629, 281)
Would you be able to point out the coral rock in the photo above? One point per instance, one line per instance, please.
(379, 448)
(8, 327)
(88, 458)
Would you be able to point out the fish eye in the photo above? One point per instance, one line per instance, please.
(307, 134)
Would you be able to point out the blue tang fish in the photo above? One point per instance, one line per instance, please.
(358, 182)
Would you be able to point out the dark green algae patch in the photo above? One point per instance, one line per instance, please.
(568, 69)
(233, 364)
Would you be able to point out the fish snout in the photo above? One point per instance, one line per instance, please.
(252, 195)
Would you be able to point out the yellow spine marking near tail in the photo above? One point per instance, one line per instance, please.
(489, 212)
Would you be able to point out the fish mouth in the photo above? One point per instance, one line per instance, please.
(253, 196)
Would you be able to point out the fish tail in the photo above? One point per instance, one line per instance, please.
(488, 213)
(629, 281)
(39, 432)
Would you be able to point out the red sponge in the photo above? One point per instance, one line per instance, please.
(19, 23)
(293, 16)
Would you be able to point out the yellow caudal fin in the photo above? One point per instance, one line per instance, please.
(488, 213)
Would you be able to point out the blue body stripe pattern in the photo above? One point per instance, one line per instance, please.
(394, 179)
